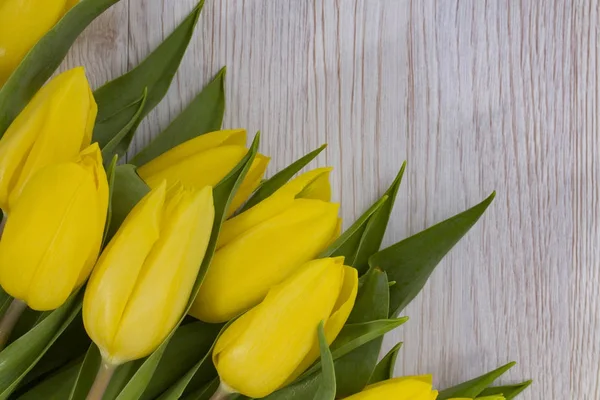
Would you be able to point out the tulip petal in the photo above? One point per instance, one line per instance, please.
(201, 169)
(270, 207)
(49, 243)
(115, 275)
(242, 272)
(403, 388)
(250, 182)
(168, 274)
(193, 147)
(281, 330)
(65, 130)
(334, 323)
(22, 24)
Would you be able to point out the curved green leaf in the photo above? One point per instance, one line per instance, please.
(271, 185)
(56, 387)
(118, 100)
(375, 230)
(509, 391)
(205, 392)
(474, 387)
(410, 262)
(44, 58)
(326, 390)
(353, 336)
(385, 368)
(20, 357)
(204, 114)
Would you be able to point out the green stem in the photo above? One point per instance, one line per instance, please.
(101, 382)
(222, 393)
(9, 320)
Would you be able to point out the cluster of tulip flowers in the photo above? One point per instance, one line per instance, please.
(189, 240)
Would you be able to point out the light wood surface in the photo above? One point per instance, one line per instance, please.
(477, 96)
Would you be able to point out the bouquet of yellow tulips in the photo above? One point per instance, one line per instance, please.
(184, 274)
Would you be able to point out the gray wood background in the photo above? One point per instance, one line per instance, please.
(477, 96)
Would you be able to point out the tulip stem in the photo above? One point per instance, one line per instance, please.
(102, 380)
(9, 320)
(222, 393)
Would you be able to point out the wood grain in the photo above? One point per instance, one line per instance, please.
(477, 96)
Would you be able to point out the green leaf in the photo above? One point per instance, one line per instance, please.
(385, 368)
(410, 262)
(85, 374)
(110, 176)
(56, 387)
(354, 370)
(474, 387)
(375, 230)
(349, 241)
(222, 194)
(117, 146)
(353, 336)
(44, 58)
(509, 391)
(5, 300)
(271, 185)
(205, 392)
(118, 99)
(326, 389)
(204, 114)
(190, 343)
(128, 190)
(20, 357)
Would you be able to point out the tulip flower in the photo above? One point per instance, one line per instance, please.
(262, 246)
(404, 388)
(53, 128)
(273, 343)
(143, 278)
(52, 239)
(204, 161)
(493, 397)
(22, 24)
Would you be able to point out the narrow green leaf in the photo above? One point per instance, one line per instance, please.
(117, 145)
(110, 176)
(44, 58)
(154, 74)
(353, 336)
(271, 185)
(385, 368)
(375, 230)
(349, 241)
(56, 387)
(85, 374)
(128, 190)
(205, 392)
(410, 262)
(222, 194)
(20, 357)
(509, 391)
(354, 370)
(474, 387)
(190, 343)
(326, 389)
(5, 300)
(204, 114)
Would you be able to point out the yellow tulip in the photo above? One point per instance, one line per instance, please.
(262, 246)
(404, 388)
(52, 238)
(143, 278)
(22, 24)
(273, 343)
(53, 128)
(493, 397)
(204, 161)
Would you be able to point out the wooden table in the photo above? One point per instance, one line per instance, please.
(477, 96)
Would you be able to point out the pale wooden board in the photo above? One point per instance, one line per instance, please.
(477, 96)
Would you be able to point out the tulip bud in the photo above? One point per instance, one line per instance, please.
(53, 236)
(204, 161)
(404, 388)
(273, 343)
(262, 246)
(22, 24)
(143, 279)
(53, 128)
